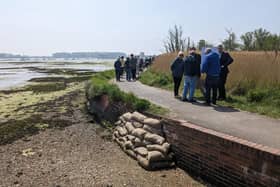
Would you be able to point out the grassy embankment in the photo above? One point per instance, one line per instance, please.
(253, 83)
(100, 85)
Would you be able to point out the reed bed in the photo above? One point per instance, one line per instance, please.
(250, 69)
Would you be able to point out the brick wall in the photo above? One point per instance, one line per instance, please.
(222, 159)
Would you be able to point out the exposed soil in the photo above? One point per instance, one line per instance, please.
(55, 143)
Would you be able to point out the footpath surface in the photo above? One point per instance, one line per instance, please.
(245, 125)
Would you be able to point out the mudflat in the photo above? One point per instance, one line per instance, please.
(48, 139)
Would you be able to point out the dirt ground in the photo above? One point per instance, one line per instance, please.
(63, 147)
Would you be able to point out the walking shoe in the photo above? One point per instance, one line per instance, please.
(185, 100)
(221, 98)
(192, 101)
(206, 104)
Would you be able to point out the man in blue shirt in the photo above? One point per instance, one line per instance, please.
(211, 66)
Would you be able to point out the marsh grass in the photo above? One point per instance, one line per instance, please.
(253, 83)
(250, 69)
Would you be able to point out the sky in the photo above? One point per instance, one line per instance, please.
(42, 27)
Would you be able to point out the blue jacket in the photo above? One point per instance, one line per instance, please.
(211, 64)
(177, 67)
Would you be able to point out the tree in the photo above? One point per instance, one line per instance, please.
(230, 43)
(272, 43)
(261, 35)
(175, 41)
(203, 43)
(248, 41)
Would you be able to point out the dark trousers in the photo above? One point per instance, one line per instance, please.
(118, 74)
(133, 72)
(211, 85)
(122, 70)
(128, 74)
(177, 82)
(222, 89)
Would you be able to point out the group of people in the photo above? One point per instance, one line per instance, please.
(130, 66)
(214, 65)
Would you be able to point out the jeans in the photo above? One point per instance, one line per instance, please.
(128, 74)
(211, 85)
(189, 86)
(177, 82)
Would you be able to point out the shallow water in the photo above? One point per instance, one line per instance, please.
(13, 74)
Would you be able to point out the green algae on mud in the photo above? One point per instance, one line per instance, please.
(45, 102)
(23, 104)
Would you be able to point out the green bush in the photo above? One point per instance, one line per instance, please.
(256, 95)
(141, 105)
(153, 78)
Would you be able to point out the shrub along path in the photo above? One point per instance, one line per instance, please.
(245, 125)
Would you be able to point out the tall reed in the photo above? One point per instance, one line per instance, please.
(250, 69)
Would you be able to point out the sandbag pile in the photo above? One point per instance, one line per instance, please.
(141, 138)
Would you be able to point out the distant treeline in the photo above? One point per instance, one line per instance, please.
(256, 40)
(8, 55)
(101, 55)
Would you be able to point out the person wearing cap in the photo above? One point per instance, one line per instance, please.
(118, 66)
(177, 69)
(133, 66)
(192, 74)
(211, 67)
(122, 64)
(225, 61)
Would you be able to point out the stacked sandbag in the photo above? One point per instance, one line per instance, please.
(141, 138)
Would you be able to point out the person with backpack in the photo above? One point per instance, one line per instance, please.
(192, 74)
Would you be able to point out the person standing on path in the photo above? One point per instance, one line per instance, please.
(177, 69)
(127, 69)
(118, 67)
(211, 66)
(192, 74)
(133, 66)
(225, 61)
(122, 62)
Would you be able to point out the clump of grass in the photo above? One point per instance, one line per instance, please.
(157, 79)
(256, 95)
